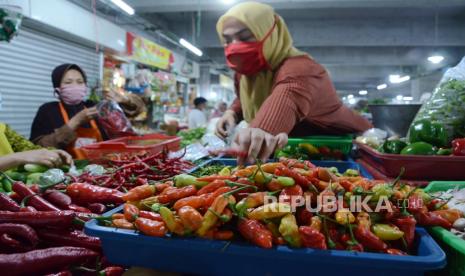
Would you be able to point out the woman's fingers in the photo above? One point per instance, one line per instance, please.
(256, 137)
(65, 157)
(282, 140)
(268, 147)
(242, 142)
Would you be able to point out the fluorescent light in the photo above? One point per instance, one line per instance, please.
(190, 47)
(399, 97)
(125, 7)
(381, 86)
(435, 59)
(352, 101)
(350, 96)
(362, 92)
(407, 98)
(398, 78)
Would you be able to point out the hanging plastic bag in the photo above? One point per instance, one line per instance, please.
(111, 117)
(10, 20)
(447, 103)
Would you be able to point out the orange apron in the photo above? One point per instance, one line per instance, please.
(85, 136)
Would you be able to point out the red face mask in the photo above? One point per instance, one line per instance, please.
(247, 58)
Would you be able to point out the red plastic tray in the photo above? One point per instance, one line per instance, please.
(417, 167)
(130, 146)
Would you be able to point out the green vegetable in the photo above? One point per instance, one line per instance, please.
(285, 181)
(33, 178)
(182, 180)
(6, 185)
(35, 168)
(208, 170)
(17, 176)
(443, 151)
(94, 169)
(418, 148)
(351, 172)
(52, 176)
(18, 142)
(426, 131)
(393, 146)
(381, 190)
(191, 136)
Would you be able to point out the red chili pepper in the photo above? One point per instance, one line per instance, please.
(294, 163)
(350, 244)
(131, 212)
(299, 179)
(28, 209)
(57, 219)
(431, 219)
(394, 251)
(8, 204)
(209, 198)
(407, 225)
(212, 178)
(97, 208)
(289, 192)
(43, 260)
(312, 238)
(458, 147)
(150, 215)
(364, 235)
(77, 208)
(87, 193)
(151, 227)
(161, 187)
(112, 271)
(32, 198)
(304, 216)
(60, 237)
(28, 239)
(211, 187)
(57, 198)
(193, 201)
(255, 232)
(139, 193)
(172, 195)
(190, 218)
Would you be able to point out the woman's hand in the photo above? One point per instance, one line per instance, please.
(82, 117)
(258, 144)
(49, 158)
(225, 124)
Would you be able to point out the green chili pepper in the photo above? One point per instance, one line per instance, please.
(387, 232)
(418, 148)
(6, 185)
(443, 151)
(183, 180)
(426, 131)
(381, 190)
(285, 181)
(289, 230)
(393, 146)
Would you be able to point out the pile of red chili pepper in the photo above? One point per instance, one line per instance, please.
(137, 170)
(210, 206)
(41, 234)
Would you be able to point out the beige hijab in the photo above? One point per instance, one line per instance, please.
(259, 18)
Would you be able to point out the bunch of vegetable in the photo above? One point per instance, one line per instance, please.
(307, 151)
(422, 148)
(233, 203)
(41, 232)
(18, 142)
(191, 136)
(135, 171)
(445, 107)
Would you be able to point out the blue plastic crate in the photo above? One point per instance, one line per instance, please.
(210, 257)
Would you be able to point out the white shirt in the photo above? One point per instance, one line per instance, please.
(196, 119)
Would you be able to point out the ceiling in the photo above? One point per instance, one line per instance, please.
(360, 42)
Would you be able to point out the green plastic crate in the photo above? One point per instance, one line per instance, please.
(342, 143)
(453, 246)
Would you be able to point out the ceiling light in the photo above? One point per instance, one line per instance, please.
(407, 98)
(124, 6)
(352, 101)
(435, 59)
(381, 86)
(227, 2)
(398, 78)
(350, 96)
(399, 97)
(190, 47)
(362, 92)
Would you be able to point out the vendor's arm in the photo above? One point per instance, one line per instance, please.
(49, 158)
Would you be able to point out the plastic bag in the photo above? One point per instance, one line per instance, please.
(447, 103)
(111, 117)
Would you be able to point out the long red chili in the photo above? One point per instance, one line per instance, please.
(59, 199)
(8, 204)
(57, 219)
(24, 232)
(87, 193)
(43, 260)
(33, 199)
(76, 238)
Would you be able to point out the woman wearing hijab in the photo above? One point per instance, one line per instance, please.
(280, 90)
(68, 124)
